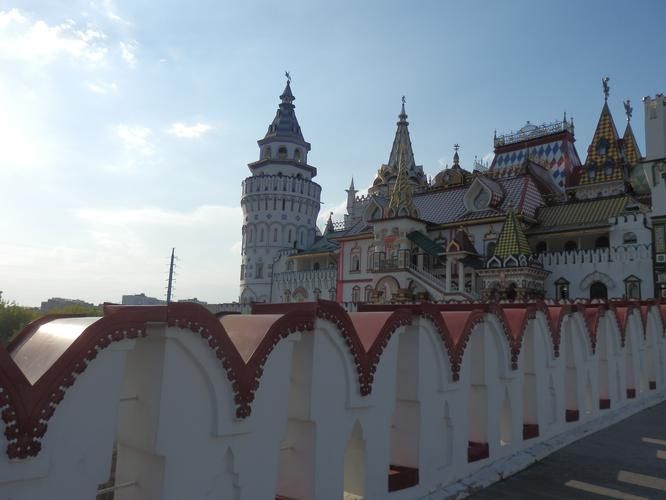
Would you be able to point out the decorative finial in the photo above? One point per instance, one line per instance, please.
(628, 109)
(456, 147)
(564, 120)
(286, 73)
(604, 82)
(403, 100)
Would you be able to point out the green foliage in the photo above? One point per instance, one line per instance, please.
(78, 309)
(13, 318)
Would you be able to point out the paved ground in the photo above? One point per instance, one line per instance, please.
(625, 461)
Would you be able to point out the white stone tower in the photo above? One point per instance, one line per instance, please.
(655, 127)
(280, 201)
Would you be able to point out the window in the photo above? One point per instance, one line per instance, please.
(287, 296)
(481, 199)
(601, 242)
(570, 246)
(602, 147)
(632, 287)
(629, 238)
(289, 236)
(331, 294)
(290, 265)
(355, 260)
(275, 235)
(356, 294)
(297, 154)
(242, 276)
(368, 293)
(490, 249)
(260, 270)
(542, 247)
(598, 291)
(267, 152)
(316, 266)
(561, 289)
(317, 293)
(282, 153)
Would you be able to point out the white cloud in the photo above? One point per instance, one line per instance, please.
(109, 10)
(39, 42)
(189, 131)
(488, 158)
(136, 138)
(101, 87)
(128, 52)
(201, 216)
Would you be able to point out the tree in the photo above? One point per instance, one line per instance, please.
(13, 318)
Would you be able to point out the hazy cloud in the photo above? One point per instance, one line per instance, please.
(136, 138)
(37, 41)
(189, 131)
(101, 87)
(128, 52)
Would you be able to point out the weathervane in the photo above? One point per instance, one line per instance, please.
(403, 99)
(456, 147)
(604, 82)
(628, 109)
(286, 73)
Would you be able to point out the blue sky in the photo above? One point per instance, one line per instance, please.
(126, 126)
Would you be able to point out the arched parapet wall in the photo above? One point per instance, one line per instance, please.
(27, 408)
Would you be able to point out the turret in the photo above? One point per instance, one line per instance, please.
(280, 201)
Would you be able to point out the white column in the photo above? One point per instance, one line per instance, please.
(447, 282)
(461, 276)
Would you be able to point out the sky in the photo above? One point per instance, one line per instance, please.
(126, 126)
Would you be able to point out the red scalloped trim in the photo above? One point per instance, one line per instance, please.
(244, 378)
(366, 362)
(26, 409)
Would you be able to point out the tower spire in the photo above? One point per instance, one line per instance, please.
(401, 203)
(512, 239)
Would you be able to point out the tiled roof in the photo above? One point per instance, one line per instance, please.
(632, 154)
(604, 155)
(581, 214)
(558, 156)
(512, 239)
(447, 206)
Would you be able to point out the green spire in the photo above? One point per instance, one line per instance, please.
(512, 239)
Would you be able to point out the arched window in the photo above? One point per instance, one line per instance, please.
(316, 266)
(629, 238)
(570, 245)
(601, 242)
(368, 293)
(542, 247)
(355, 260)
(267, 152)
(297, 154)
(275, 234)
(331, 294)
(261, 234)
(602, 147)
(632, 287)
(490, 249)
(290, 265)
(259, 274)
(598, 291)
(317, 293)
(282, 153)
(561, 289)
(356, 294)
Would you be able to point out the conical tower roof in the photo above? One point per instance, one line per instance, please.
(632, 155)
(605, 143)
(402, 143)
(512, 239)
(401, 202)
(285, 125)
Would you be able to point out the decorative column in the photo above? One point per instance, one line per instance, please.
(461, 276)
(447, 281)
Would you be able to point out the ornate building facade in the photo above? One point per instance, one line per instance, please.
(538, 223)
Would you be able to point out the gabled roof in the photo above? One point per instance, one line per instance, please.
(582, 214)
(447, 206)
(512, 239)
(461, 243)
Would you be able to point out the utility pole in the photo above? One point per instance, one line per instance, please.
(170, 286)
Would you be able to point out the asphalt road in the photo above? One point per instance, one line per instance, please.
(626, 461)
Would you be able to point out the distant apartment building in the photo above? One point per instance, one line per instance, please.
(141, 299)
(56, 303)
